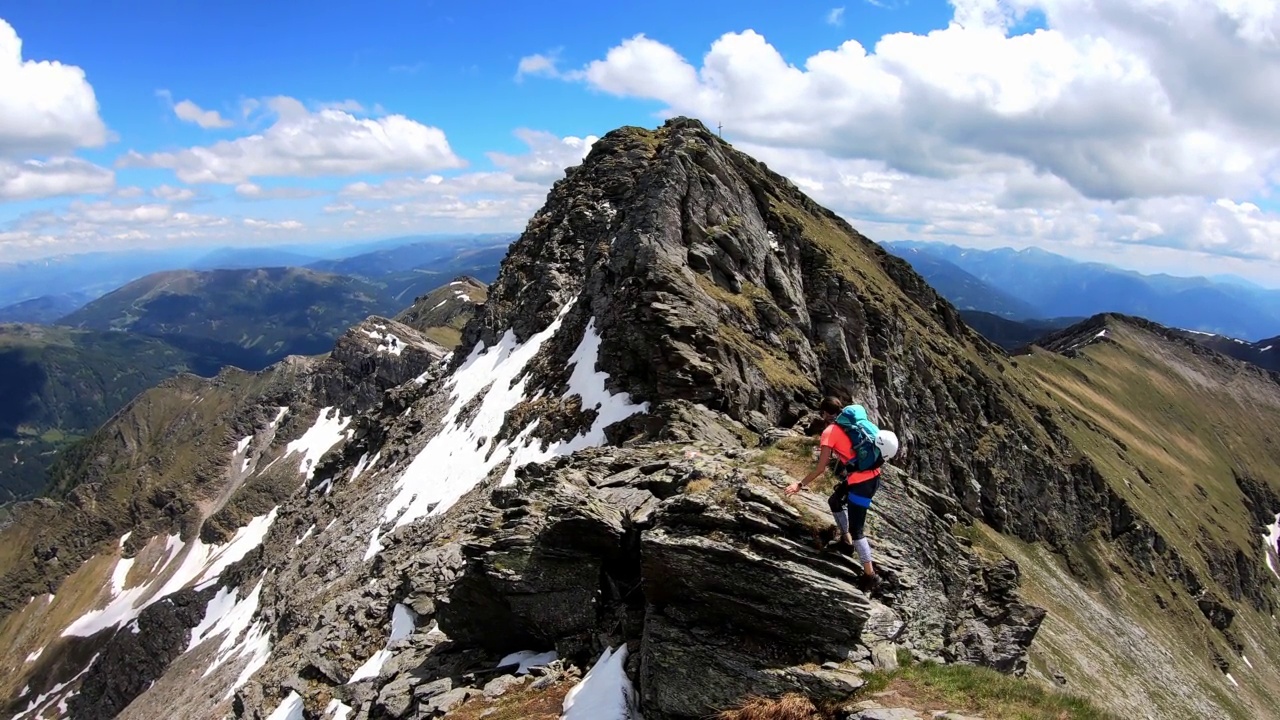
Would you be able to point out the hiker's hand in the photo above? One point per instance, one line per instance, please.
(793, 488)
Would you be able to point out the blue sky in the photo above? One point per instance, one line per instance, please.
(952, 121)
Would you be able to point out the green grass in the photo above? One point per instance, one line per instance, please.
(973, 690)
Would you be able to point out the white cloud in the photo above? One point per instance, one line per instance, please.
(306, 143)
(269, 225)
(538, 64)
(835, 16)
(1112, 100)
(173, 194)
(207, 119)
(253, 191)
(46, 107)
(1120, 125)
(547, 158)
(34, 179)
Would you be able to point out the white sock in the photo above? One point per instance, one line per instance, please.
(864, 549)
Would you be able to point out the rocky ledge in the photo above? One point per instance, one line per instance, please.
(692, 557)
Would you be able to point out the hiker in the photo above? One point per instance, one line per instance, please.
(855, 486)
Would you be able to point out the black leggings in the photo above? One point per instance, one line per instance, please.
(857, 508)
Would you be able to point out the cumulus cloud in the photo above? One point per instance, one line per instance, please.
(1114, 100)
(309, 143)
(46, 107)
(169, 193)
(538, 64)
(34, 179)
(207, 119)
(253, 191)
(1115, 125)
(547, 158)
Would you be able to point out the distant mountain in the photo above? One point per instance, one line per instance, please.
(232, 258)
(92, 273)
(445, 259)
(965, 290)
(441, 314)
(59, 384)
(1057, 286)
(1013, 334)
(1264, 353)
(246, 318)
(96, 273)
(44, 309)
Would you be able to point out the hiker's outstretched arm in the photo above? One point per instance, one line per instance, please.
(824, 457)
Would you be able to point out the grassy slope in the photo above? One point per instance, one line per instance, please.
(248, 318)
(60, 384)
(442, 313)
(1141, 406)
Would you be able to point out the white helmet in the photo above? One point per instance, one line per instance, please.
(887, 441)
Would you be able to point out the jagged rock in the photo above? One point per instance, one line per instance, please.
(502, 685)
(885, 656)
(445, 702)
(396, 697)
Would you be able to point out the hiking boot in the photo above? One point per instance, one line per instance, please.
(869, 583)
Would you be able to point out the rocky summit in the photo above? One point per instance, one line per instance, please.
(579, 510)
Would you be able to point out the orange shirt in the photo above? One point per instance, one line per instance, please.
(836, 439)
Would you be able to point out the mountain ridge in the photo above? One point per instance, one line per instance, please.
(1059, 286)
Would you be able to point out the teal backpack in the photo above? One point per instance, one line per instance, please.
(862, 434)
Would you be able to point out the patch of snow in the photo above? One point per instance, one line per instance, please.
(1246, 661)
(528, 659)
(433, 307)
(1233, 680)
(243, 444)
(391, 344)
(225, 615)
(421, 379)
(125, 538)
(35, 656)
(1266, 348)
(374, 546)
(336, 710)
(36, 707)
(279, 416)
(372, 334)
(1271, 539)
(363, 465)
(305, 535)
(403, 620)
(326, 486)
(119, 574)
(318, 439)
(1101, 333)
(462, 296)
(773, 241)
(606, 693)
(461, 455)
(289, 709)
(331, 522)
(202, 564)
(1206, 334)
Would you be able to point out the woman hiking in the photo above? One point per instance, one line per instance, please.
(851, 496)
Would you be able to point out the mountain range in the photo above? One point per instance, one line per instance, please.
(1045, 286)
(581, 510)
(68, 282)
